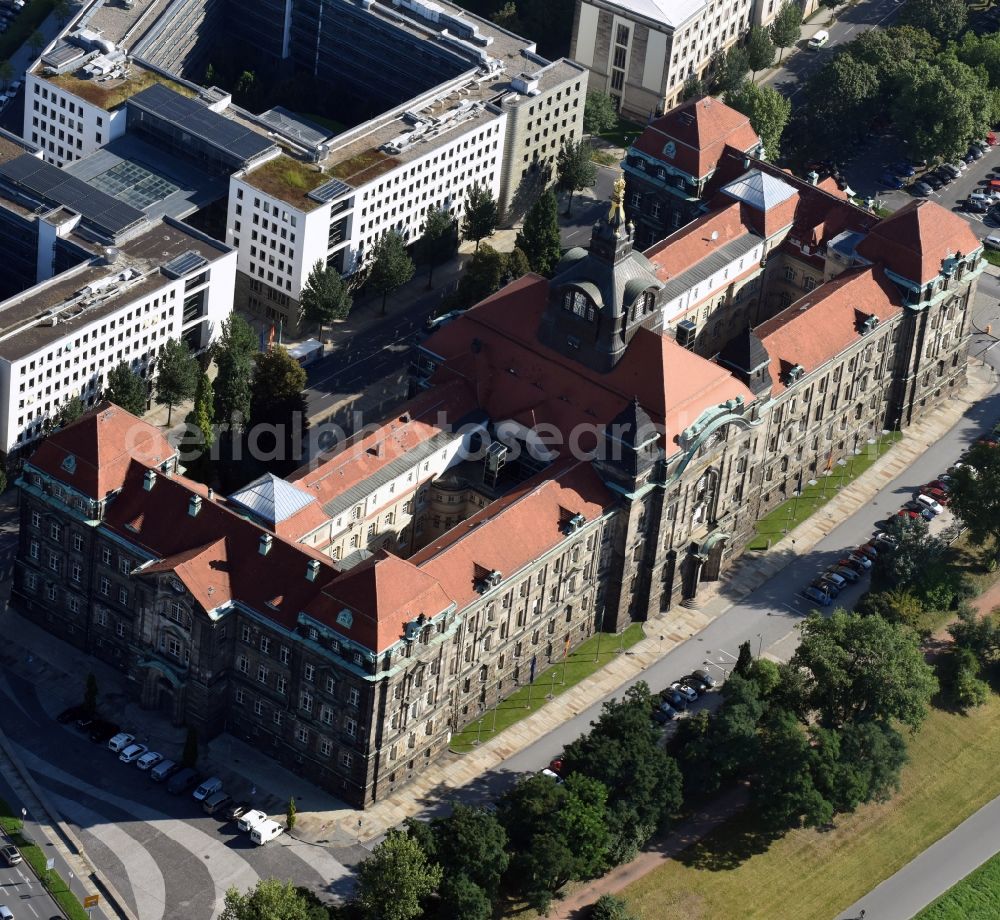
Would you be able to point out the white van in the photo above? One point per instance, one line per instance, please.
(120, 741)
(266, 830)
(250, 820)
(819, 39)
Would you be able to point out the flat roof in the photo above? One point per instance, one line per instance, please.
(289, 180)
(198, 120)
(146, 254)
(110, 94)
(52, 186)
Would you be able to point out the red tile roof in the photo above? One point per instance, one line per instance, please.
(825, 322)
(916, 239)
(514, 376)
(383, 594)
(689, 245)
(700, 130)
(215, 549)
(515, 531)
(102, 445)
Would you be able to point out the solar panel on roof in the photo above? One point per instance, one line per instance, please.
(198, 119)
(329, 190)
(184, 263)
(49, 185)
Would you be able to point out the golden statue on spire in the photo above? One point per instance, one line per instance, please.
(616, 215)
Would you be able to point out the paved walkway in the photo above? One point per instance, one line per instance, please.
(934, 871)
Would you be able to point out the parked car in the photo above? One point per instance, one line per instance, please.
(235, 810)
(101, 731)
(890, 181)
(939, 495)
(687, 692)
(977, 204)
(885, 539)
(869, 550)
(6, 913)
(853, 564)
(148, 760)
(697, 683)
(974, 154)
(668, 710)
(674, 698)
(951, 169)
(845, 572)
(826, 586)
(932, 180)
(163, 770)
(433, 323)
(909, 515)
(120, 741)
(662, 718)
(71, 714)
(914, 509)
(861, 557)
(132, 753)
(817, 596)
(208, 787)
(920, 188)
(901, 168)
(250, 819)
(940, 483)
(929, 503)
(265, 831)
(215, 803)
(182, 781)
(943, 175)
(11, 854)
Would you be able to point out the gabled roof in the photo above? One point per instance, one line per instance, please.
(494, 348)
(702, 238)
(204, 571)
(759, 190)
(699, 131)
(825, 322)
(382, 594)
(93, 454)
(915, 241)
(514, 531)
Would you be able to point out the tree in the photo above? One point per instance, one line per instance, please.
(506, 18)
(472, 843)
(960, 678)
(515, 265)
(767, 110)
(278, 402)
(901, 565)
(608, 907)
(693, 88)
(177, 374)
(944, 19)
(575, 169)
(975, 495)
(980, 635)
(461, 897)
(623, 751)
(90, 694)
(482, 276)
(760, 49)
(325, 297)
(786, 29)
(36, 42)
(269, 899)
(745, 661)
(391, 265)
(831, 4)
(290, 814)
(730, 69)
(6, 72)
(898, 605)
(843, 100)
(200, 417)
(126, 389)
(599, 113)
(234, 361)
(538, 238)
(863, 669)
(61, 9)
(395, 878)
(69, 412)
(481, 214)
(190, 755)
(437, 242)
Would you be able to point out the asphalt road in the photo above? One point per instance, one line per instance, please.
(768, 617)
(935, 870)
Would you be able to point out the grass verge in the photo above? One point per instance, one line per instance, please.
(623, 133)
(976, 897)
(811, 874)
(789, 514)
(587, 658)
(36, 858)
(991, 256)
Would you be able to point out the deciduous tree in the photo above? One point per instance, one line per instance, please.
(234, 360)
(437, 242)
(126, 389)
(177, 374)
(575, 169)
(538, 238)
(481, 214)
(944, 19)
(731, 68)
(744, 661)
(394, 880)
(786, 29)
(760, 49)
(269, 899)
(975, 495)
(278, 401)
(693, 88)
(599, 113)
(325, 297)
(391, 265)
(609, 907)
(767, 110)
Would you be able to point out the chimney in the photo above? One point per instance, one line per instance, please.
(194, 505)
(149, 480)
(312, 569)
(746, 162)
(813, 177)
(211, 493)
(264, 546)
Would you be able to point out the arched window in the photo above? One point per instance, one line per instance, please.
(649, 301)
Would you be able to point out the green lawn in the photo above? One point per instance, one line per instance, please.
(811, 874)
(623, 133)
(36, 858)
(991, 256)
(580, 663)
(976, 897)
(789, 514)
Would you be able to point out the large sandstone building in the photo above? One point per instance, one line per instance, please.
(583, 452)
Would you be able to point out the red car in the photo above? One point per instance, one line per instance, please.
(936, 484)
(939, 495)
(912, 515)
(852, 564)
(869, 551)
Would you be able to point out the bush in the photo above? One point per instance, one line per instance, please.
(960, 682)
(608, 907)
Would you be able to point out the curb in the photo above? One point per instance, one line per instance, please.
(68, 841)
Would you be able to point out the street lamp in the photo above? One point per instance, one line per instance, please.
(842, 463)
(760, 644)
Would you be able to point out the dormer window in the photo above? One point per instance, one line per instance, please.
(578, 303)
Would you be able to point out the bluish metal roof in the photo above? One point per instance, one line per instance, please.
(271, 499)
